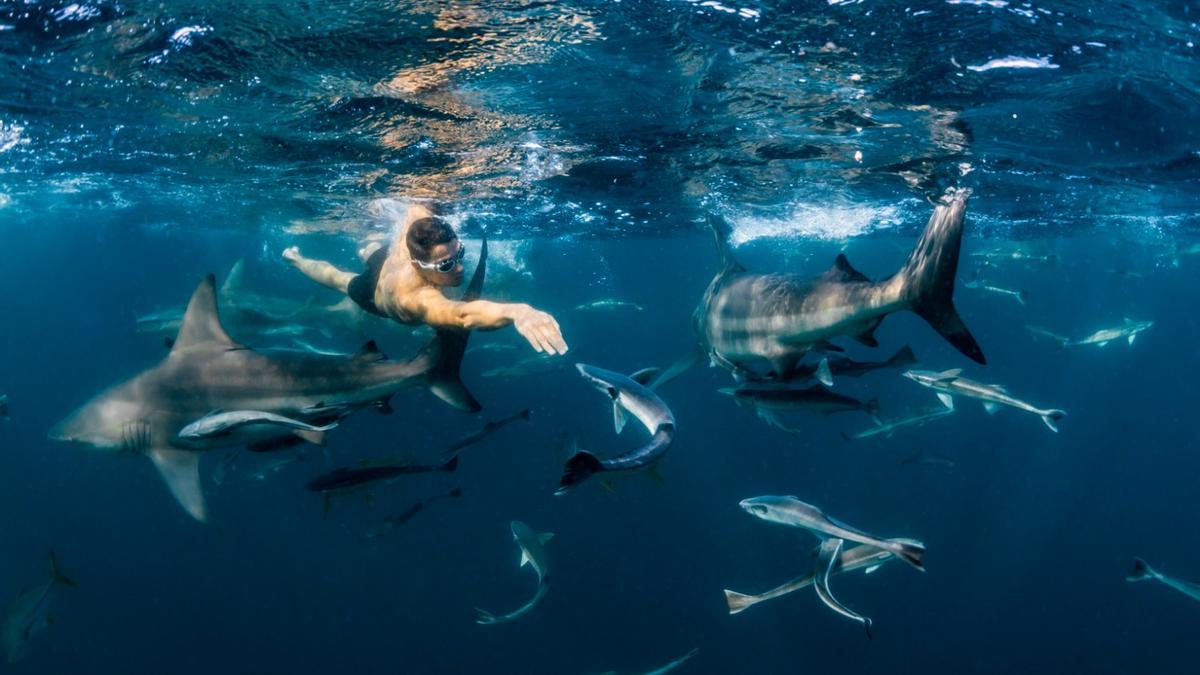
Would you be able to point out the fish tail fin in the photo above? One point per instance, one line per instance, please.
(579, 468)
(1051, 418)
(927, 278)
(447, 348)
(911, 552)
(738, 601)
(1142, 571)
(59, 577)
(867, 626)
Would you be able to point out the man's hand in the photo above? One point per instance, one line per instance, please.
(540, 329)
(291, 254)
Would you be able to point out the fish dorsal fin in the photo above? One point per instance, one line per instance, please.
(235, 280)
(369, 353)
(201, 324)
(842, 270)
(646, 376)
(180, 469)
(545, 537)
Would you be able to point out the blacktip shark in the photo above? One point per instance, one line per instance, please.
(790, 511)
(533, 553)
(223, 424)
(950, 383)
(207, 369)
(746, 319)
(1127, 331)
(889, 428)
(632, 395)
(861, 557)
(1144, 572)
(28, 614)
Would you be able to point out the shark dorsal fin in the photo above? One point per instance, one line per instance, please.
(646, 376)
(235, 281)
(948, 374)
(369, 352)
(201, 324)
(842, 270)
(545, 537)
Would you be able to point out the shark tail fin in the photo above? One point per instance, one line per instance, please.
(738, 601)
(1051, 418)
(721, 232)
(578, 469)
(927, 278)
(59, 577)
(1141, 571)
(449, 345)
(911, 552)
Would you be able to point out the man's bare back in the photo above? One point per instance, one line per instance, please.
(408, 288)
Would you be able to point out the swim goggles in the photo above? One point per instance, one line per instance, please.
(447, 264)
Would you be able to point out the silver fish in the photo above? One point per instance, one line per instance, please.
(608, 304)
(1020, 296)
(1128, 331)
(217, 424)
(859, 557)
(788, 510)
(950, 383)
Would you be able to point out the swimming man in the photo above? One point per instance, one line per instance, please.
(405, 282)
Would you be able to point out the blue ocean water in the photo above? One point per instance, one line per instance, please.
(144, 145)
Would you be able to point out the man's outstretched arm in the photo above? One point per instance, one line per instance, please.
(536, 326)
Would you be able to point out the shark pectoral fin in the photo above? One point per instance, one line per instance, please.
(1132, 337)
(871, 569)
(181, 471)
(314, 437)
(524, 558)
(1103, 344)
(990, 407)
(545, 537)
(946, 399)
(824, 374)
(618, 417)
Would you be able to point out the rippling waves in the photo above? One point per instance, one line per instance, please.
(822, 118)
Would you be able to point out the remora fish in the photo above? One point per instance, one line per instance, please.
(747, 319)
(827, 556)
(859, 557)
(206, 370)
(533, 553)
(219, 424)
(1143, 572)
(847, 367)
(629, 395)
(795, 513)
(488, 429)
(1127, 331)
(28, 614)
(609, 303)
(392, 522)
(889, 428)
(1020, 296)
(345, 479)
(949, 384)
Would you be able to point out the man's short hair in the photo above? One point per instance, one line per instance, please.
(426, 233)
